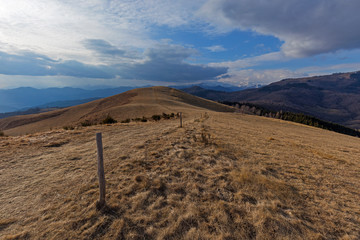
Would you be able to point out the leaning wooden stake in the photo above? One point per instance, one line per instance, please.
(101, 173)
(180, 113)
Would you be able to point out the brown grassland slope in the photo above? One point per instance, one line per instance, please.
(221, 176)
(131, 104)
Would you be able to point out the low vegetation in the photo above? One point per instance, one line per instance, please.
(68, 127)
(86, 123)
(109, 120)
(156, 117)
(143, 119)
(2, 134)
(168, 116)
(293, 117)
(126, 120)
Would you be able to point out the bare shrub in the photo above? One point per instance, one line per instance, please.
(68, 128)
(86, 123)
(126, 120)
(109, 120)
(156, 117)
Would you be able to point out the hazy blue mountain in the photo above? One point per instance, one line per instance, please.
(26, 97)
(46, 107)
(68, 103)
(4, 108)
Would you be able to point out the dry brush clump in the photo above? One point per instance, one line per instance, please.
(68, 127)
(87, 123)
(155, 117)
(108, 120)
(143, 119)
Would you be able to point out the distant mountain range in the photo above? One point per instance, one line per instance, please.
(47, 107)
(334, 98)
(20, 99)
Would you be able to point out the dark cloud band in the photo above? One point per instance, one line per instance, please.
(31, 64)
(161, 63)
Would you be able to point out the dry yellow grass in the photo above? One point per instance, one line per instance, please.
(132, 104)
(222, 176)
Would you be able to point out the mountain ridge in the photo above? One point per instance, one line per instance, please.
(332, 97)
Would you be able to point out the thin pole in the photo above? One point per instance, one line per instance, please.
(101, 173)
(180, 119)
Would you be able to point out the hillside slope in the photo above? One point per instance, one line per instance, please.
(333, 97)
(208, 94)
(131, 104)
(222, 176)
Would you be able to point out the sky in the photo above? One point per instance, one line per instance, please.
(90, 43)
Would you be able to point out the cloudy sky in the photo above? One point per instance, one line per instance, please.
(84, 43)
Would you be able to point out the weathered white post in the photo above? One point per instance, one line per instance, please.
(180, 113)
(101, 173)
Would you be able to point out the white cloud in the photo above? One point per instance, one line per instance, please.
(57, 28)
(252, 77)
(159, 12)
(328, 69)
(307, 27)
(251, 61)
(216, 48)
(97, 39)
(46, 27)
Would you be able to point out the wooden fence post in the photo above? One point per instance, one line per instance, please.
(180, 113)
(101, 173)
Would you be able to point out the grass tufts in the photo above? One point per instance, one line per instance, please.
(86, 123)
(68, 127)
(108, 120)
(156, 117)
(126, 120)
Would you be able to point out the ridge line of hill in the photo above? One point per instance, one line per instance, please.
(136, 103)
